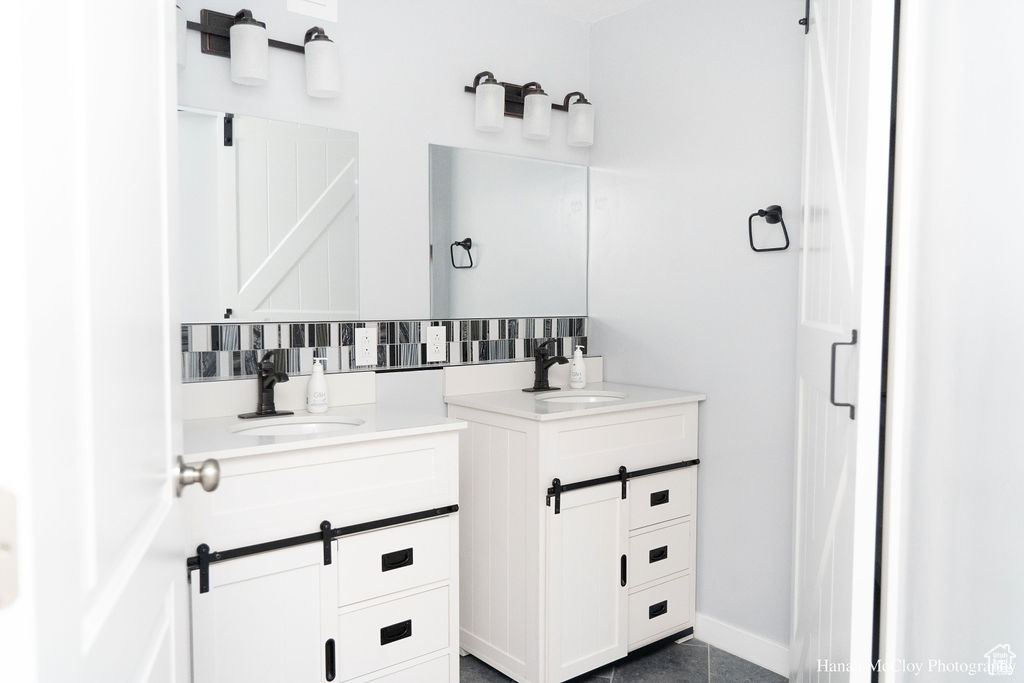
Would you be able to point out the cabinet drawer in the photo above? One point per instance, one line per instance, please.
(386, 561)
(659, 553)
(434, 671)
(660, 610)
(660, 497)
(376, 637)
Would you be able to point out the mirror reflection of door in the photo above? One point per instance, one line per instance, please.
(268, 219)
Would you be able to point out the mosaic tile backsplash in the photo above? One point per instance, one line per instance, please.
(211, 352)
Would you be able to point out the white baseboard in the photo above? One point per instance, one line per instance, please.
(751, 647)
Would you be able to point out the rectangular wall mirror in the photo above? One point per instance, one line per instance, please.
(526, 225)
(269, 220)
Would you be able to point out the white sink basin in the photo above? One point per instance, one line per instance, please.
(299, 425)
(580, 396)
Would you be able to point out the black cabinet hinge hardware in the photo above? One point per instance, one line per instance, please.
(556, 491)
(229, 130)
(558, 488)
(326, 537)
(204, 557)
(203, 553)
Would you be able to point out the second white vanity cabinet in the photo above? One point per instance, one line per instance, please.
(578, 526)
(326, 558)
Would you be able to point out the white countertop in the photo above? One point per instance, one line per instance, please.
(523, 404)
(213, 438)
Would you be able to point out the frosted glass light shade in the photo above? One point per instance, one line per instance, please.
(182, 33)
(581, 124)
(537, 116)
(323, 67)
(490, 107)
(250, 52)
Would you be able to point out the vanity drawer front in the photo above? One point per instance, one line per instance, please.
(659, 553)
(389, 560)
(660, 610)
(434, 671)
(660, 497)
(376, 637)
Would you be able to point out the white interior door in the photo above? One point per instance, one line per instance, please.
(848, 83)
(101, 552)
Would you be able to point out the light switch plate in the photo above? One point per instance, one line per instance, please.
(436, 343)
(366, 345)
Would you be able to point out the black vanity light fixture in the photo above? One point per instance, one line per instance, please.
(244, 39)
(771, 216)
(496, 99)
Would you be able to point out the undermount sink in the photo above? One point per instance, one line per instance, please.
(298, 425)
(581, 396)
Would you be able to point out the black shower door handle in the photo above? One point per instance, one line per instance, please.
(832, 376)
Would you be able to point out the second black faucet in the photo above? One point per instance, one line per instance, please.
(542, 362)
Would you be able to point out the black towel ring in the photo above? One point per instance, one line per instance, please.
(771, 215)
(466, 244)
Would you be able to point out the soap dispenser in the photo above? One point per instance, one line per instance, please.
(316, 390)
(577, 370)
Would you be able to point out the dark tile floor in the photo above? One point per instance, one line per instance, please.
(689, 662)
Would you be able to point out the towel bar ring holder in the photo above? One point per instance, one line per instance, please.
(466, 244)
(771, 215)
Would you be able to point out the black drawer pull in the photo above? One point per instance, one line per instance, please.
(659, 497)
(658, 554)
(657, 609)
(329, 659)
(390, 634)
(622, 570)
(396, 560)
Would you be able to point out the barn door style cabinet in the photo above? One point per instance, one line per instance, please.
(578, 527)
(320, 561)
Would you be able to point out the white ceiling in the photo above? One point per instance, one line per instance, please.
(585, 10)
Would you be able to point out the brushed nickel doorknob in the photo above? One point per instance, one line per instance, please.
(207, 474)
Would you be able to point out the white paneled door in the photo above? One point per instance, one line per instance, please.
(100, 547)
(848, 83)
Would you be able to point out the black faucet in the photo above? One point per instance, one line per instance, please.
(268, 377)
(542, 361)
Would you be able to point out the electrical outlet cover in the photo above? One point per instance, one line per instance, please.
(436, 344)
(366, 345)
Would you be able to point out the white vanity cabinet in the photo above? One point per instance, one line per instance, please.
(328, 560)
(577, 527)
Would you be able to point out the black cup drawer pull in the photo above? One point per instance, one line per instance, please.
(390, 634)
(657, 609)
(658, 554)
(659, 497)
(396, 560)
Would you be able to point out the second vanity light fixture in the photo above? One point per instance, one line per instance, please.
(495, 100)
(243, 39)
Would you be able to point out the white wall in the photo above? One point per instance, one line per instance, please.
(699, 125)
(954, 467)
(404, 65)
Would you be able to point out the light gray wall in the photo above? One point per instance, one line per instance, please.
(404, 65)
(699, 125)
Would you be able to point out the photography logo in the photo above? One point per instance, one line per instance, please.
(1000, 660)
